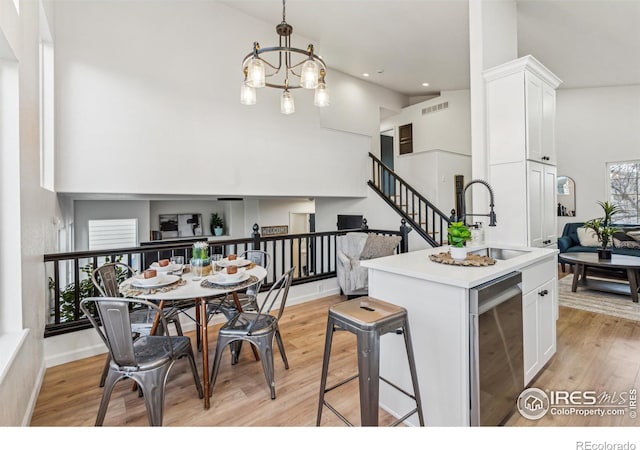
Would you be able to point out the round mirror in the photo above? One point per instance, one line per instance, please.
(566, 196)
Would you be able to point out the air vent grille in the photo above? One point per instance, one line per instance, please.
(435, 108)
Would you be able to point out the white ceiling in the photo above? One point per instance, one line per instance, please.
(586, 43)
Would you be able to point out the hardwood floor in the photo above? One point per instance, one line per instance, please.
(595, 352)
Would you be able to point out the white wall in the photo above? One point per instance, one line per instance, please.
(378, 214)
(86, 210)
(441, 147)
(595, 126)
(148, 96)
(448, 129)
(21, 373)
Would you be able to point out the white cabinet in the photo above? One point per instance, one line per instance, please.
(521, 110)
(521, 99)
(539, 314)
(542, 204)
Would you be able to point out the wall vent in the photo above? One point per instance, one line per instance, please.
(435, 108)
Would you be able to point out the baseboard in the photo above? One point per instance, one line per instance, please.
(31, 406)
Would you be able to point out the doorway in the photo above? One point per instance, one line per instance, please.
(303, 248)
(386, 156)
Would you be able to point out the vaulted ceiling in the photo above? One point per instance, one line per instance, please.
(586, 43)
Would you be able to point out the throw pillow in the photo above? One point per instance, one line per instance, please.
(619, 243)
(588, 237)
(378, 245)
(634, 234)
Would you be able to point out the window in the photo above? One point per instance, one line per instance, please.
(115, 233)
(10, 226)
(406, 138)
(46, 106)
(624, 190)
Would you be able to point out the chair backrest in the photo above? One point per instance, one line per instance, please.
(351, 244)
(260, 258)
(278, 291)
(105, 278)
(113, 313)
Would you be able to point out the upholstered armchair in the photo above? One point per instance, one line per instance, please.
(353, 248)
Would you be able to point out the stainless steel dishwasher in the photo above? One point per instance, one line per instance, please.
(497, 365)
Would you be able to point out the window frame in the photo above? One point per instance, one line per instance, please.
(610, 194)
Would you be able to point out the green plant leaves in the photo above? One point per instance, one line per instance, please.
(602, 225)
(458, 234)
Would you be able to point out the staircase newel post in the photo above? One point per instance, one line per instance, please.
(256, 237)
(364, 224)
(404, 232)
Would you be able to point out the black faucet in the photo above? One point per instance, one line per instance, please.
(491, 215)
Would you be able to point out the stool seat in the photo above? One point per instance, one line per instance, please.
(368, 318)
(367, 312)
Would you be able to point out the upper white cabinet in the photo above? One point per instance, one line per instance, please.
(521, 109)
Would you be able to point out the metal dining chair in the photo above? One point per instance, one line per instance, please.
(259, 328)
(248, 299)
(106, 280)
(147, 359)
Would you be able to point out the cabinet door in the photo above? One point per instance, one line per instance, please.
(535, 183)
(549, 211)
(530, 335)
(548, 148)
(533, 102)
(546, 321)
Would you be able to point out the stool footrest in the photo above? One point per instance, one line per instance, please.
(403, 418)
(399, 388)
(341, 383)
(335, 411)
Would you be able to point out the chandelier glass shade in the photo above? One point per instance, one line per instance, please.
(284, 67)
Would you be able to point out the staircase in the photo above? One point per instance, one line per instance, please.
(427, 220)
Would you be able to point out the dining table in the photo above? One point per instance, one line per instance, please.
(183, 288)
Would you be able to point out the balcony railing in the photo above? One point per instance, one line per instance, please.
(68, 275)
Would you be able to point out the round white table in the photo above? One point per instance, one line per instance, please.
(194, 290)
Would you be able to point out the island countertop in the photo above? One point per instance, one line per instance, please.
(417, 264)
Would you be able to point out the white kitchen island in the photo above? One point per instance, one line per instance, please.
(436, 297)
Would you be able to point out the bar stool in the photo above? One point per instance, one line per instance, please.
(368, 318)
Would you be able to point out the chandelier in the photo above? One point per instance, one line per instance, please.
(282, 72)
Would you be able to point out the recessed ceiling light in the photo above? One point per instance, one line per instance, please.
(425, 84)
(365, 74)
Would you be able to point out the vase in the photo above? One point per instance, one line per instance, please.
(458, 253)
(217, 231)
(604, 253)
(200, 268)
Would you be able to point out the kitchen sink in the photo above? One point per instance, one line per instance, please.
(499, 253)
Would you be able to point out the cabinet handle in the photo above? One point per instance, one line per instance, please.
(543, 293)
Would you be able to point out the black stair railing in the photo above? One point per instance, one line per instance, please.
(423, 216)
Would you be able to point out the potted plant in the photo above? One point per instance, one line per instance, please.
(216, 224)
(603, 228)
(457, 234)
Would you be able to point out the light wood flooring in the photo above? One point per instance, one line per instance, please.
(595, 352)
